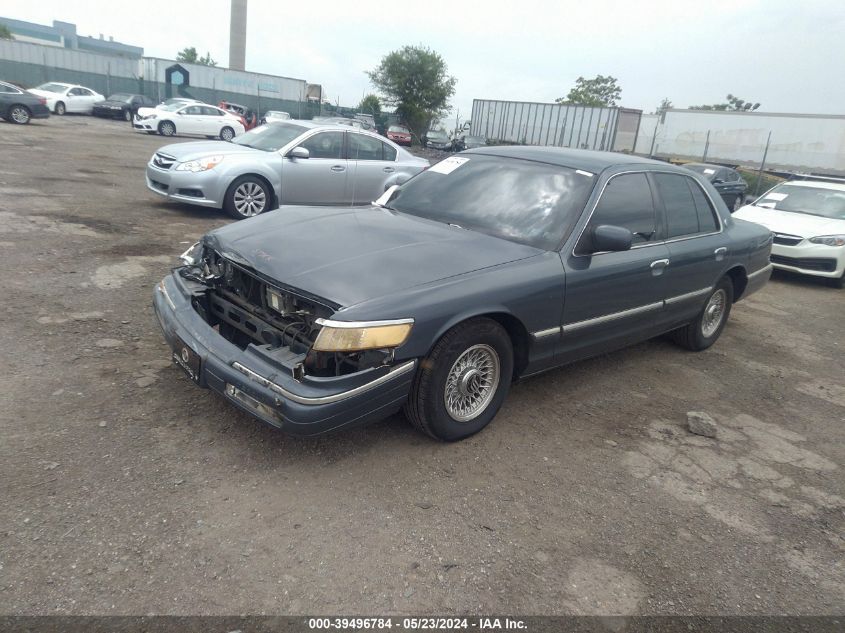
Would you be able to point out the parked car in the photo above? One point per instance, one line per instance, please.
(399, 134)
(808, 222)
(727, 181)
(19, 106)
(272, 116)
(488, 267)
(299, 162)
(122, 105)
(471, 142)
(189, 119)
(63, 97)
(246, 116)
(438, 139)
(146, 111)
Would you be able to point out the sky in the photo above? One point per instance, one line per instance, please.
(787, 55)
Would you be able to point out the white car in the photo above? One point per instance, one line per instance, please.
(271, 116)
(63, 97)
(168, 102)
(196, 119)
(807, 218)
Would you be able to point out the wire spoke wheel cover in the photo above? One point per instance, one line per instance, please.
(249, 199)
(472, 382)
(714, 312)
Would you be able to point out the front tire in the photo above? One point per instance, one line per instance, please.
(166, 128)
(127, 116)
(60, 108)
(708, 325)
(462, 383)
(19, 114)
(247, 197)
(227, 134)
(737, 203)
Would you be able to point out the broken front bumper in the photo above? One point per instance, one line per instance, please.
(311, 406)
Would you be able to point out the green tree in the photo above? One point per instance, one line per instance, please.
(189, 55)
(5, 33)
(600, 91)
(733, 104)
(370, 105)
(415, 81)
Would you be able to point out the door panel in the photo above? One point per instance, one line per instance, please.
(321, 178)
(368, 171)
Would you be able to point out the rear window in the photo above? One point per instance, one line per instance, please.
(518, 200)
(50, 87)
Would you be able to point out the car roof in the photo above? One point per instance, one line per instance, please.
(708, 165)
(586, 159)
(816, 184)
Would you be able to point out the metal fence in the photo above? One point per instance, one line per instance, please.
(528, 123)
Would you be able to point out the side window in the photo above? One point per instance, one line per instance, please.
(209, 111)
(626, 201)
(192, 110)
(325, 145)
(707, 221)
(6, 89)
(389, 152)
(364, 148)
(75, 92)
(681, 212)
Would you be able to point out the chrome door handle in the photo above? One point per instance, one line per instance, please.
(338, 168)
(719, 253)
(660, 263)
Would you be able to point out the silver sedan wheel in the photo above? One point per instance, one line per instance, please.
(249, 199)
(227, 134)
(472, 383)
(714, 313)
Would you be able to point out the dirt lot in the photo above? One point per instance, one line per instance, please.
(128, 490)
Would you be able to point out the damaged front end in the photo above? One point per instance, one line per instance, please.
(286, 326)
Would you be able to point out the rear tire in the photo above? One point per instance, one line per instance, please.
(127, 116)
(19, 114)
(838, 283)
(248, 196)
(461, 384)
(708, 325)
(60, 108)
(737, 203)
(166, 128)
(227, 134)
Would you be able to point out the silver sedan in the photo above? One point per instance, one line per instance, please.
(296, 162)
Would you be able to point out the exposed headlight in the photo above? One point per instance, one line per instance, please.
(193, 255)
(829, 240)
(147, 117)
(340, 336)
(202, 164)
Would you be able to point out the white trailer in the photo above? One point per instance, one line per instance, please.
(789, 142)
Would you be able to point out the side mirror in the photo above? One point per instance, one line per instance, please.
(299, 152)
(611, 238)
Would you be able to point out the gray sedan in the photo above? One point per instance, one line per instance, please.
(297, 162)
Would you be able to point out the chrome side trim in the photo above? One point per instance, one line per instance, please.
(687, 296)
(393, 373)
(578, 325)
(361, 324)
(763, 270)
(544, 333)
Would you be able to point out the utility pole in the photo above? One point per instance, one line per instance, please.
(237, 35)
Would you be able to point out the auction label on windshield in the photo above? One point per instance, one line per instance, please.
(448, 165)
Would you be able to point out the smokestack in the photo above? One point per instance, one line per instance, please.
(237, 35)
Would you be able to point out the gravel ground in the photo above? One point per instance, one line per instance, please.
(126, 490)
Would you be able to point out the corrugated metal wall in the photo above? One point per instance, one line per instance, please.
(531, 123)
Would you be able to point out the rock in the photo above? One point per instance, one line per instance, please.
(425, 505)
(51, 465)
(102, 423)
(109, 342)
(611, 443)
(146, 381)
(409, 592)
(699, 423)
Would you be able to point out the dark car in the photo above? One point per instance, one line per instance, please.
(122, 105)
(19, 106)
(247, 117)
(727, 182)
(486, 268)
(438, 139)
(470, 142)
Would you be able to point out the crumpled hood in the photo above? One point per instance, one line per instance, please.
(350, 255)
(791, 223)
(199, 149)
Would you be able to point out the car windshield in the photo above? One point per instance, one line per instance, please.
(172, 107)
(518, 200)
(120, 96)
(270, 138)
(50, 87)
(396, 128)
(438, 135)
(169, 102)
(820, 201)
